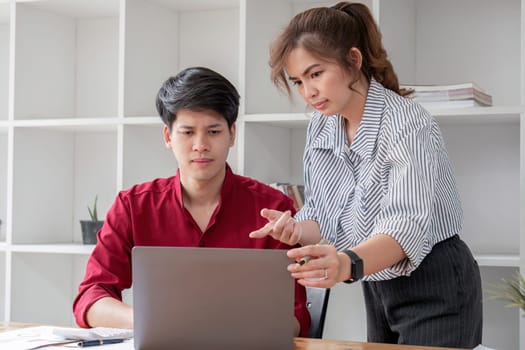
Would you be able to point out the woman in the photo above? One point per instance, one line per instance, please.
(378, 184)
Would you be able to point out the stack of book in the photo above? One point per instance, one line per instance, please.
(295, 192)
(449, 96)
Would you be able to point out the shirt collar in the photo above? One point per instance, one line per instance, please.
(330, 136)
(366, 136)
(333, 137)
(226, 188)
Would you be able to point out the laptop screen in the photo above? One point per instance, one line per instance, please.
(212, 298)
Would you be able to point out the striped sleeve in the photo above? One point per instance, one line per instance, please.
(408, 207)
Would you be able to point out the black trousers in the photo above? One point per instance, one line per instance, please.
(439, 304)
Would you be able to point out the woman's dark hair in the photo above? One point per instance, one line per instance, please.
(197, 88)
(329, 33)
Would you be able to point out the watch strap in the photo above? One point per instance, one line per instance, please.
(356, 266)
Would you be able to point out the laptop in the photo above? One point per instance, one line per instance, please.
(212, 299)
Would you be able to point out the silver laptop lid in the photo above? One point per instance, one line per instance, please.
(212, 298)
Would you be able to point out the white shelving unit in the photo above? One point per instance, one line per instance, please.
(77, 119)
(4, 112)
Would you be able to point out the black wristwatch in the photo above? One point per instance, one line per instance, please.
(356, 264)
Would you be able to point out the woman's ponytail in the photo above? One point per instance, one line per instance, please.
(375, 61)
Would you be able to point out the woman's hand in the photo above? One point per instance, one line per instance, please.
(325, 268)
(281, 226)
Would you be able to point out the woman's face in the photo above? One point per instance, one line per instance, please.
(324, 85)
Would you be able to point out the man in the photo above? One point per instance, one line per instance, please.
(205, 204)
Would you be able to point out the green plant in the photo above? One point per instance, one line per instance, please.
(93, 211)
(511, 290)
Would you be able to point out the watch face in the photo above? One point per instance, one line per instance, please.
(357, 269)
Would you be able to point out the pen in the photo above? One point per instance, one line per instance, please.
(307, 258)
(85, 343)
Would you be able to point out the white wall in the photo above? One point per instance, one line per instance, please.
(43, 186)
(97, 67)
(4, 70)
(45, 64)
(216, 48)
(145, 155)
(3, 184)
(151, 56)
(478, 42)
(95, 174)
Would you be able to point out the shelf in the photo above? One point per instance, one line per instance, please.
(70, 124)
(79, 9)
(197, 5)
(143, 120)
(82, 124)
(502, 260)
(287, 120)
(77, 249)
(497, 114)
(509, 114)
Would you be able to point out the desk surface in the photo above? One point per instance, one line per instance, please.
(300, 343)
(325, 344)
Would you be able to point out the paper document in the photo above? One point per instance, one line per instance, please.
(34, 337)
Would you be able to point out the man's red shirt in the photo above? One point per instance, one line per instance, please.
(153, 214)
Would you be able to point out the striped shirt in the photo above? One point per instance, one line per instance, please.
(394, 179)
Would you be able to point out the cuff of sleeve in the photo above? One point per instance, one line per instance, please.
(306, 213)
(409, 236)
(83, 303)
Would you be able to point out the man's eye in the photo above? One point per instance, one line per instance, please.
(214, 132)
(316, 74)
(296, 82)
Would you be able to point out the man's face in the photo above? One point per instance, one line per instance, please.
(200, 141)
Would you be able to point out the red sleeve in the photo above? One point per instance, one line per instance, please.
(300, 309)
(108, 270)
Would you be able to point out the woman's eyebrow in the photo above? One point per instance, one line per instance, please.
(306, 71)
